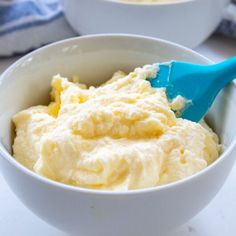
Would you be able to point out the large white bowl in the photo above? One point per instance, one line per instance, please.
(187, 22)
(105, 213)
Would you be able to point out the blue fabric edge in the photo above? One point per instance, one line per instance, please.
(31, 24)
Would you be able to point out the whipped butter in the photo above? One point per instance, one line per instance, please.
(122, 135)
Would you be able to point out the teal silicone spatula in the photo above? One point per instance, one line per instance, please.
(199, 84)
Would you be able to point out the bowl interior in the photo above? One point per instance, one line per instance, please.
(94, 59)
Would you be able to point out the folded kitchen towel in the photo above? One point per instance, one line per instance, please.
(29, 24)
(228, 24)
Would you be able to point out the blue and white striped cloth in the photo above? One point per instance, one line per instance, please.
(228, 25)
(28, 24)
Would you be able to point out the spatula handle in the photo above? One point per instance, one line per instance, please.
(225, 72)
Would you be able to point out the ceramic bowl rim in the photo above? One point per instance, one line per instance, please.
(145, 4)
(9, 158)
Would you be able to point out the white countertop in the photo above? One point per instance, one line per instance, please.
(217, 219)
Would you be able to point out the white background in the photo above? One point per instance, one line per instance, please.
(217, 219)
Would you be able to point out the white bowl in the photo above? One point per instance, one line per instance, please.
(187, 22)
(104, 213)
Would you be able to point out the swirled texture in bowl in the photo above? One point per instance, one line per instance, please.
(119, 136)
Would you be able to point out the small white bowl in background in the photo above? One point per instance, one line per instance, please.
(187, 22)
(104, 213)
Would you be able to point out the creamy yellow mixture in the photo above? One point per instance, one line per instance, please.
(122, 135)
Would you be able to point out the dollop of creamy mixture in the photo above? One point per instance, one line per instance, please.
(122, 135)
